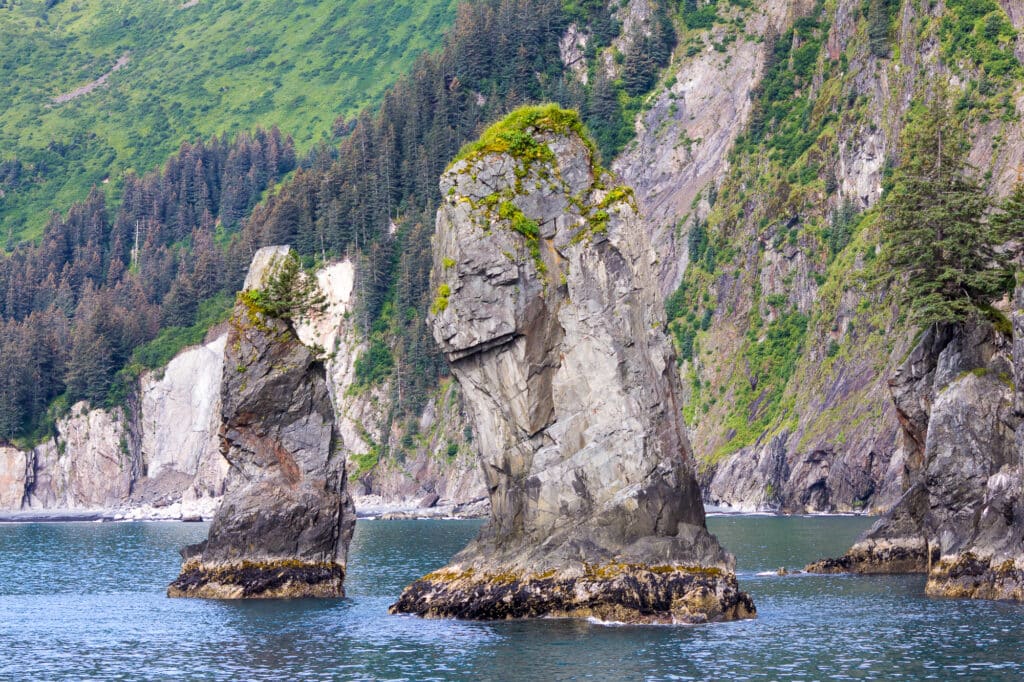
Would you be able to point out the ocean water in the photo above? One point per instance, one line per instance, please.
(86, 601)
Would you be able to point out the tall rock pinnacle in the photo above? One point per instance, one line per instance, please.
(549, 313)
(284, 526)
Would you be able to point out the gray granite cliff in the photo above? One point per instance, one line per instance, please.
(549, 314)
(285, 523)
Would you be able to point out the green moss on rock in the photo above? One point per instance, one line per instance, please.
(515, 133)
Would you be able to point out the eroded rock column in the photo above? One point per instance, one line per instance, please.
(547, 308)
(981, 536)
(285, 523)
(960, 522)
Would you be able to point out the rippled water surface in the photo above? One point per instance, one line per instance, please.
(86, 601)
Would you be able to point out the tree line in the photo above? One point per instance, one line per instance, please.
(949, 247)
(77, 305)
(74, 306)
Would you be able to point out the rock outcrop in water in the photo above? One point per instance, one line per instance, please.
(549, 314)
(959, 399)
(284, 526)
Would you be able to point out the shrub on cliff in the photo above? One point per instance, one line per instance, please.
(289, 293)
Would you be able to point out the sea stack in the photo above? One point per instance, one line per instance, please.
(960, 398)
(285, 523)
(986, 557)
(547, 309)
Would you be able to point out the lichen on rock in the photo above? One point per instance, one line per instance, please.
(285, 523)
(554, 328)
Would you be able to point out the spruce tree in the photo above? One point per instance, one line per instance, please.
(935, 230)
(1008, 222)
(878, 27)
(90, 367)
(289, 292)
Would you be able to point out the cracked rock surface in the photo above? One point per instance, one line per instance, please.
(285, 524)
(549, 313)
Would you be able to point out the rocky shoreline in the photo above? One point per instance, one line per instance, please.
(281, 579)
(376, 511)
(623, 593)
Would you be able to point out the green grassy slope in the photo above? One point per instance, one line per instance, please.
(215, 66)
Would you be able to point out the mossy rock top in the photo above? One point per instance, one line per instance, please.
(515, 134)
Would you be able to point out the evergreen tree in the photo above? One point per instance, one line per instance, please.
(90, 367)
(935, 230)
(289, 292)
(639, 70)
(1008, 222)
(878, 27)
(179, 306)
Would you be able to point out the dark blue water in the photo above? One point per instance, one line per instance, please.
(86, 601)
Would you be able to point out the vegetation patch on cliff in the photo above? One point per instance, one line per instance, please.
(786, 312)
(515, 134)
(288, 292)
(208, 69)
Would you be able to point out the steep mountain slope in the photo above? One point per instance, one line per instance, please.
(94, 88)
(159, 455)
(789, 337)
(759, 160)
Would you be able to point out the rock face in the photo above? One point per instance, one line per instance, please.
(549, 314)
(90, 465)
(706, 106)
(157, 458)
(825, 436)
(284, 526)
(980, 473)
(178, 419)
(960, 520)
(14, 472)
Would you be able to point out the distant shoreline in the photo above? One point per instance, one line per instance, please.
(391, 513)
(55, 516)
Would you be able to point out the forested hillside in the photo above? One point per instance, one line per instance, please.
(177, 71)
(864, 202)
(85, 310)
(102, 282)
